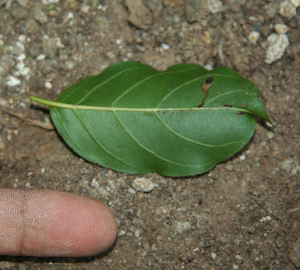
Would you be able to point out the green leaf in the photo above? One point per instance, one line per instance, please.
(179, 122)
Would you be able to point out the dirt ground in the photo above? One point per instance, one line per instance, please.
(243, 214)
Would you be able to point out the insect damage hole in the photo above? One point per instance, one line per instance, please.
(205, 87)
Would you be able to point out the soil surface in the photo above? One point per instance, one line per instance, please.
(243, 214)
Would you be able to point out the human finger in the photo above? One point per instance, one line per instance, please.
(45, 222)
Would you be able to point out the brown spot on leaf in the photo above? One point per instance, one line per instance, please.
(205, 87)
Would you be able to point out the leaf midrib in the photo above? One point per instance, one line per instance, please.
(56, 104)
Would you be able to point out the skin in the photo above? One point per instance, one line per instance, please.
(43, 222)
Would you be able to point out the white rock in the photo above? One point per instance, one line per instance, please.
(208, 66)
(143, 184)
(85, 8)
(281, 28)
(41, 57)
(253, 37)
(94, 183)
(264, 219)
(277, 46)
(58, 43)
(12, 81)
(215, 6)
(121, 233)
(69, 65)
(48, 85)
(182, 226)
(21, 57)
(287, 10)
(131, 190)
(119, 41)
(165, 46)
(22, 70)
(22, 38)
(47, 2)
(296, 3)
(213, 255)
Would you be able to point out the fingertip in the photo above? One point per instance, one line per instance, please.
(81, 226)
(102, 227)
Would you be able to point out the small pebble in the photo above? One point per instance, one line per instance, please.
(47, 2)
(143, 184)
(85, 8)
(111, 55)
(121, 233)
(213, 255)
(182, 226)
(215, 6)
(281, 28)
(94, 183)
(22, 70)
(41, 57)
(165, 46)
(296, 3)
(118, 41)
(48, 85)
(238, 257)
(39, 15)
(22, 3)
(12, 81)
(229, 167)
(208, 67)
(264, 219)
(287, 10)
(131, 190)
(270, 135)
(22, 38)
(253, 37)
(21, 57)
(277, 46)
(137, 233)
(70, 65)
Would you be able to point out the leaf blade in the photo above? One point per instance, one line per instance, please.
(136, 119)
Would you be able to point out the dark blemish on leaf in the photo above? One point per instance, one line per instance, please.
(209, 80)
(205, 87)
(241, 113)
(243, 106)
(228, 105)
